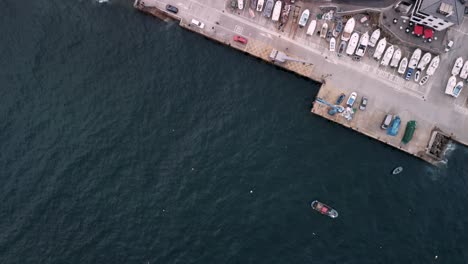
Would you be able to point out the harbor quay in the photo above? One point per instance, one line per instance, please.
(439, 118)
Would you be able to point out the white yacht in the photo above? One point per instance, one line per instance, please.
(380, 49)
(452, 81)
(413, 63)
(353, 41)
(387, 56)
(424, 61)
(311, 28)
(403, 65)
(260, 5)
(304, 18)
(276, 11)
(323, 32)
(362, 46)
(457, 67)
(332, 44)
(349, 27)
(433, 66)
(374, 38)
(464, 71)
(396, 58)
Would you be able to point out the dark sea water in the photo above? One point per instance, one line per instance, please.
(125, 139)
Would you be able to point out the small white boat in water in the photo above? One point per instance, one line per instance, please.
(396, 58)
(452, 81)
(380, 49)
(304, 18)
(413, 63)
(387, 56)
(417, 75)
(457, 89)
(424, 80)
(433, 66)
(260, 5)
(403, 65)
(353, 41)
(311, 28)
(323, 32)
(240, 4)
(374, 38)
(349, 27)
(362, 46)
(276, 11)
(457, 67)
(464, 71)
(424, 61)
(332, 44)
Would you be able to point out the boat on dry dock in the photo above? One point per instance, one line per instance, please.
(374, 38)
(424, 80)
(240, 4)
(341, 48)
(380, 49)
(323, 32)
(424, 61)
(403, 65)
(349, 27)
(311, 28)
(457, 67)
(362, 46)
(387, 56)
(268, 8)
(332, 44)
(413, 63)
(464, 71)
(276, 11)
(353, 41)
(338, 28)
(433, 65)
(452, 81)
(396, 58)
(304, 18)
(260, 5)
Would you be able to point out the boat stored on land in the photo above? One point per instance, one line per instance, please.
(349, 27)
(341, 48)
(424, 61)
(268, 8)
(417, 75)
(304, 18)
(380, 49)
(394, 127)
(396, 58)
(403, 65)
(362, 46)
(409, 132)
(374, 38)
(260, 5)
(424, 80)
(311, 28)
(464, 71)
(452, 81)
(387, 56)
(413, 63)
(338, 28)
(352, 43)
(433, 66)
(457, 67)
(276, 11)
(324, 209)
(332, 44)
(323, 32)
(240, 4)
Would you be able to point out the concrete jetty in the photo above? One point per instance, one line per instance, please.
(439, 118)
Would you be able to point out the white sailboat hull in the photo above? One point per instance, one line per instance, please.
(349, 27)
(403, 65)
(380, 49)
(374, 38)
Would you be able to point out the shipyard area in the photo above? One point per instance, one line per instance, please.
(395, 74)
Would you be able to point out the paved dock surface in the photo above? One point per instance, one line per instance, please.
(386, 90)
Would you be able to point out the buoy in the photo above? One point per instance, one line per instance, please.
(251, 191)
(436, 257)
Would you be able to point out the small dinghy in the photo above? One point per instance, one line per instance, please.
(332, 44)
(424, 80)
(417, 75)
(324, 209)
(397, 170)
(324, 31)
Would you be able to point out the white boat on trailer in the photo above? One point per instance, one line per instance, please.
(352, 43)
(374, 38)
(311, 28)
(387, 56)
(403, 65)
(457, 67)
(396, 58)
(424, 61)
(362, 46)
(413, 63)
(348, 29)
(433, 66)
(380, 49)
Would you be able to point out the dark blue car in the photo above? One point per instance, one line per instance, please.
(172, 9)
(340, 99)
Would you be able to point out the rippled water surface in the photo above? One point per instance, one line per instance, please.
(129, 140)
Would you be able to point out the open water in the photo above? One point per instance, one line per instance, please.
(126, 139)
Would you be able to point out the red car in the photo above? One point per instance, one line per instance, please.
(240, 39)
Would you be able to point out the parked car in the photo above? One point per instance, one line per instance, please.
(340, 99)
(363, 103)
(449, 46)
(172, 9)
(351, 99)
(386, 121)
(240, 39)
(197, 23)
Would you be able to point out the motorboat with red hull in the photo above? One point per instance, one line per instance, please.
(324, 209)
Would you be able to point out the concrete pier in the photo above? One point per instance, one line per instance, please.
(386, 90)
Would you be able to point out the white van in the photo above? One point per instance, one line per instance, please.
(386, 122)
(197, 23)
